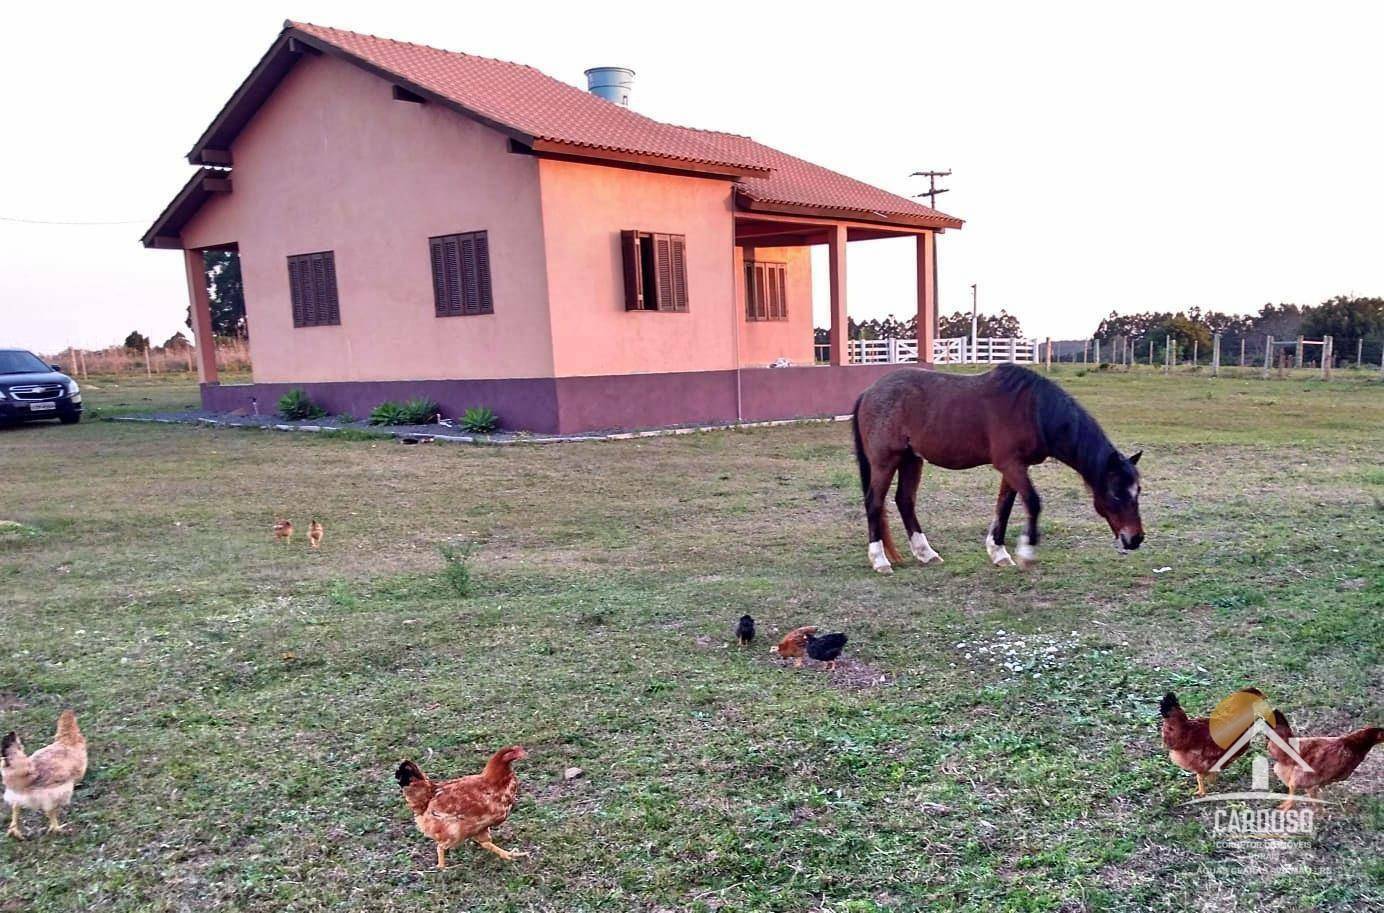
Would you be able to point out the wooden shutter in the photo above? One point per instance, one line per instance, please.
(778, 281)
(766, 291)
(312, 289)
(663, 273)
(678, 250)
(461, 274)
(631, 256)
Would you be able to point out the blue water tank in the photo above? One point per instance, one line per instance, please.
(611, 83)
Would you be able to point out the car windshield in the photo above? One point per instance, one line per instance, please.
(14, 362)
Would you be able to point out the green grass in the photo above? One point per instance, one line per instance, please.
(246, 703)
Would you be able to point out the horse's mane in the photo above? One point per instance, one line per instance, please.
(1068, 431)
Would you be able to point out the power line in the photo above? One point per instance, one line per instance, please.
(20, 221)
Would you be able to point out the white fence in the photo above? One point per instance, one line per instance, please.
(955, 351)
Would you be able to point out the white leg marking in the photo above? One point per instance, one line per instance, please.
(878, 560)
(1028, 555)
(999, 555)
(922, 551)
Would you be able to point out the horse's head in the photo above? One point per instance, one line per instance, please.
(1117, 499)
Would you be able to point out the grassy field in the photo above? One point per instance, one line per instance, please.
(246, 703)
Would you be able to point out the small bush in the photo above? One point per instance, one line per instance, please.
(456, 569)
(479, 420)
(387, 414)
(420, 411)
(417, 411)
(346, 418)
(296, 405)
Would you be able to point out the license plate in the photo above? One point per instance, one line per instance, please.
(42, 407)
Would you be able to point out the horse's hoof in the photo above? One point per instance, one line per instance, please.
(1004, 561)
(884, 569)
(1027, 563)
(934, 558)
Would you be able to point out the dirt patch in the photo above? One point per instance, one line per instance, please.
(11, 701)
(849, 674)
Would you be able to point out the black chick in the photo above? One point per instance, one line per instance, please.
(744, 632)
(826, 648)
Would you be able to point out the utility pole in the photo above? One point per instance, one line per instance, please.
(932, 189)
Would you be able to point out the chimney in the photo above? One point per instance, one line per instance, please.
(611, 83)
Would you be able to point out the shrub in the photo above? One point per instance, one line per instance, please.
(456, 569)
(479, 420)
(346, 418)
(296, 404)
(387, 414)
(417, 411)
(420, 411)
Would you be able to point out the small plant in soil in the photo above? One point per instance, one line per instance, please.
(456, 567)
(296, 405)
(479, 420)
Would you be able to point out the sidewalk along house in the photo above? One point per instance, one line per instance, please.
(418, 222)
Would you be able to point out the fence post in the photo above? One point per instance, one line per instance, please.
(1150, 351)
(1168, 356)
(1242, 351)
(1268, 355)
(1327, 357)
(1300, 348)
(1047, 348)
(1216, 355)
(1360, 352)
(82, 355)
(892, 348)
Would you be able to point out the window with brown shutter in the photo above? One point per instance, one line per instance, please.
(655, 271)
(461, 274)
(312, 289)
(766, 290)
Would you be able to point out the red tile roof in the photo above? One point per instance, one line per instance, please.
(541, 107)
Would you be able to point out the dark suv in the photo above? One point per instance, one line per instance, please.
(30, 389)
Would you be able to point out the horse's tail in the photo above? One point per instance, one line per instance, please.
(861, 460)
(890, 551)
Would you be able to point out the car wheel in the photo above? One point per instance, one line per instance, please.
(70, 418)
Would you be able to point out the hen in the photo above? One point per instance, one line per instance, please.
(283, 531)
(451, 812)
(315, 534)
(744, 632)
(826, 649)
(44, 781)
(1332, 758)
(1196, 744)
(794, 644)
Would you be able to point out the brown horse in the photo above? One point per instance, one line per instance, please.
(1009, 417)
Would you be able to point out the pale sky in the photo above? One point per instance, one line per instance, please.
(1105, 156)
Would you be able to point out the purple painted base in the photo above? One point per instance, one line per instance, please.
(613, 402)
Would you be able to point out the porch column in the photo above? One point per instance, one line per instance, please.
(200, 303)
(840, 324)
(927, 294)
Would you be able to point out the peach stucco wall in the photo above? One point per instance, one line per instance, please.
(332, 162)
(585, 207)
(762, 342)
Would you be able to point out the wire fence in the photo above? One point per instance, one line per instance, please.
(232, 355)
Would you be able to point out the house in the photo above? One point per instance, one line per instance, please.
(418, 222)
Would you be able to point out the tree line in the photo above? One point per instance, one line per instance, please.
(1348, 320)
(1001, 326)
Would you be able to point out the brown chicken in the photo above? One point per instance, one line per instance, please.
(283, 531)
(314, 534)
(454, 811)
(1332, 759)
(44, 781)
(1196, 744)
(794, 644)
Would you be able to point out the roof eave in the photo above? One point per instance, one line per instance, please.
(166, 232)
(601, 156)
(938, 221)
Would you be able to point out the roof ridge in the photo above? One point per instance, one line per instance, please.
(290, 23)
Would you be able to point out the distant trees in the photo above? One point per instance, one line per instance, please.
(136, 341)
(1003, 325)
(1347, 320)
(226, 290)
